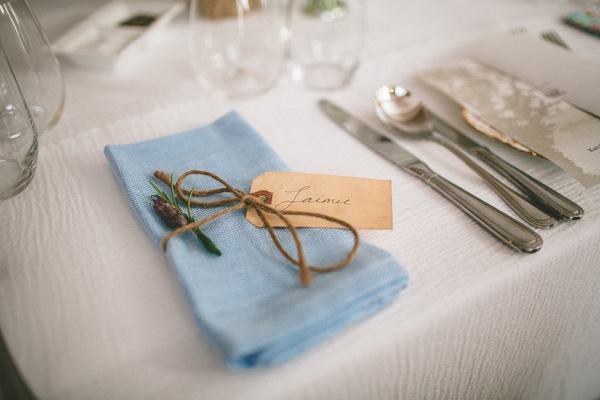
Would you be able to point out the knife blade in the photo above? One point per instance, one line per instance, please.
(507, 229)
(542, 195)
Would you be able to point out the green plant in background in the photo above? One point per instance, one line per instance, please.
(327, 10)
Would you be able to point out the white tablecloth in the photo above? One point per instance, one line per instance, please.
(91, 310)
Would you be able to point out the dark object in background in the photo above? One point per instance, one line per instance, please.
(139, 20)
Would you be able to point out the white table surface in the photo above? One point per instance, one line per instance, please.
(91, 310)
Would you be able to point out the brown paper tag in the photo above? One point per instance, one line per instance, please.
(363, 203)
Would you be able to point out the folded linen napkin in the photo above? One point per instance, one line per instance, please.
(249, 301)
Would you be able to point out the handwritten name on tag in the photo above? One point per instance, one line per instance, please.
(363, 203)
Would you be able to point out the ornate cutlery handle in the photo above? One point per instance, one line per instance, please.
(548, 198)
(505, 228)
(521, 205)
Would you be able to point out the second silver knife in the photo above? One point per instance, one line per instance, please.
(507, 229)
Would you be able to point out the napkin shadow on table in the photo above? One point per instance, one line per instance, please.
(249, 301)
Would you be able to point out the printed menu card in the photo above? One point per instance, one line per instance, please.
(562, 133)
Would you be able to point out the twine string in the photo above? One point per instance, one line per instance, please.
(242, 200)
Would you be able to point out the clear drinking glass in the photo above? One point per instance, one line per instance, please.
(236, 46)
(33, 62)
(18, 136)
(325, 41)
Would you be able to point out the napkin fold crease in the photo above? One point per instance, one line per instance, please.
(249, 301)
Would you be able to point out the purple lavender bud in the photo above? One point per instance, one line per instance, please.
(169, 214)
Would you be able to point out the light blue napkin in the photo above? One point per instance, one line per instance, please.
(249, 301)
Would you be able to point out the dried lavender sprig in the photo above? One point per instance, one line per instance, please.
(208, 244)
(169, 213)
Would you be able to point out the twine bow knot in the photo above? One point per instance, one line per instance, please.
(252, 201)
(259, 202)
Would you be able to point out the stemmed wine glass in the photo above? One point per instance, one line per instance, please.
(33, 63)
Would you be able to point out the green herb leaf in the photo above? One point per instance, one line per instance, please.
(160, 192)
(175, 202)
(189, 203)
(207, 243)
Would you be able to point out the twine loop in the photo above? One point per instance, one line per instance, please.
(251, 201)
(243, 200)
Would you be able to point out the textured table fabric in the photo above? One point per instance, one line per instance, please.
(91, 309)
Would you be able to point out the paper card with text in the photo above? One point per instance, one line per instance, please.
(363, 203)
(565, 135)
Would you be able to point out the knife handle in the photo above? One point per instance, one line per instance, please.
(505, 228)
(520, 204)
(549, 199)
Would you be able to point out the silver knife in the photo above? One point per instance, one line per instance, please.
(547, 198)
(507, 229)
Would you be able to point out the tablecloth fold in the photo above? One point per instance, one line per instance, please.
(249, 301)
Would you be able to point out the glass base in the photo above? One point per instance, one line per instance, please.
(238, 82)
(322, 76)
(15, 176)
